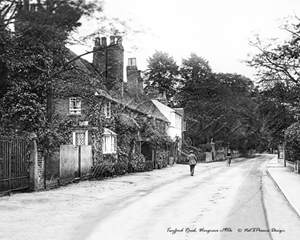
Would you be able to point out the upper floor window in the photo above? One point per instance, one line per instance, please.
(75, 105)
(107, 109)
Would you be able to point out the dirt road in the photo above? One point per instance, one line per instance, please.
(219, 202)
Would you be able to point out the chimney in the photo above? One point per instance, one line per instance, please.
(99, 55)
(119, 40)
(109, 60)
(103, 42)
(32, 7)
(112, 40)
(134, 79)
(97, 42)
(163, 98)
(26, 5)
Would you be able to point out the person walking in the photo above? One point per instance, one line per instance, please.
(192, 161)
(229, 158)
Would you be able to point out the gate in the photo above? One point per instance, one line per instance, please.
(14, 174)
(75, 163)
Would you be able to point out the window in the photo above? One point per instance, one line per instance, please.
(109, 142)
(177, 122)
(184, 126)
(75, 105)
(107, 110)
(80, 138)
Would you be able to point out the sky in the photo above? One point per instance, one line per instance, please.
(217, 30)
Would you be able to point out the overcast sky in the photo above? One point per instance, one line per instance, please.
(217, 30)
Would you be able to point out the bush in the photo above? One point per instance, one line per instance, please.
(292, 139)
(148, 166)
(120, 168)
(139, 163)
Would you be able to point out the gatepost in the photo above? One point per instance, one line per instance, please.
(33, 164)
(213, 150)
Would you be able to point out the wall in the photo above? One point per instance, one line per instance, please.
(48, 170)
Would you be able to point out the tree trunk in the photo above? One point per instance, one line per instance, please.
(49, 102)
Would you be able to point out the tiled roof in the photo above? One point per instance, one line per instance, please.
(142, 104)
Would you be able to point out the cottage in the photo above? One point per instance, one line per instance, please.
(112, 121)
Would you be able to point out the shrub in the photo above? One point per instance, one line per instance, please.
(140, 162)
(148, 166)
(292, 139)
(120, 168)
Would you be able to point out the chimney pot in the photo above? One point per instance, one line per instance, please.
(119, 40)
(32, 7)
(97, 42)
(131, 61)
(103, 42)
(112, 40)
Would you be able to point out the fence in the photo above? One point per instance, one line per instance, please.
(14, 165)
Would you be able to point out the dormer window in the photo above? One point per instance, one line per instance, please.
(75, 105)
(107, 110)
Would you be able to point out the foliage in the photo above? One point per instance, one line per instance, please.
(125, 123)
(109, 169)
(33, 60)
(127, 129)
(276, 116)
(138, 162)
(218, 106)
(292, 139)
(162, 73)
(277, 60)
(277, 65)
(162, 159)
(157, 137)
(120, 168)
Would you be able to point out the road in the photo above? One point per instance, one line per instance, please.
(218, 202)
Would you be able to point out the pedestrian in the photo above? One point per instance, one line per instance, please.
(229, 158)
(192, 161)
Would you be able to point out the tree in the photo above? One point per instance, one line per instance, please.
(278, 61)
(198, 93)
(218, 106)
(276, 113)
(162, 73)
(278, 69)
(34, 59)
(196, 77)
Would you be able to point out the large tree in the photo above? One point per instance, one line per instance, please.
(218, 106)
(278, 71)
(34, 58)
(162, 74)
(198, 94)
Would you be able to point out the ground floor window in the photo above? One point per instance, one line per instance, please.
(80, 138)
(109, 142)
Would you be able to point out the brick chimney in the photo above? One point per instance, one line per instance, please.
(134, 79)
(109, 59)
